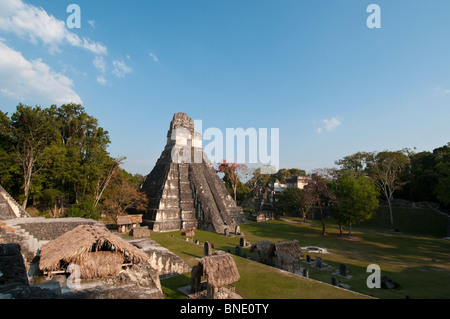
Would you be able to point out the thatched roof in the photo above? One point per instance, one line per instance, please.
(220, 269)
(262, 247)
(136, 219)
(129, 219)
(74, 246)
(286, 248)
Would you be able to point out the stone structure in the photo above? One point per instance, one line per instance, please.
(184, 190)
(165, 262)
(298, 182)
(9, 208)
(32, 232)
(128, 222)
(13, 276)
(12, 266)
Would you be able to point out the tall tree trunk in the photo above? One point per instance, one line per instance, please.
(390, 212)
(28, 169)
(304, 216)
(340, 229)
(323, 220)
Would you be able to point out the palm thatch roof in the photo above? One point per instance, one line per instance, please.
(81, 246)
(129, 219)
(220, 270)
(286, 250)
(123, 220)
(262, 247)
(136, 218)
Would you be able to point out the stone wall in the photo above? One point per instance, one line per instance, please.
(164, 261)
(48, 229)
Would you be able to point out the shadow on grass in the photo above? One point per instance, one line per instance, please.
(170, 286)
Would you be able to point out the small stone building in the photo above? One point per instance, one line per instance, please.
(128, 222)
(219, 270)
(284, 255)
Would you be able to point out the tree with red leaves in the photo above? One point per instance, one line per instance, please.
(232, 172)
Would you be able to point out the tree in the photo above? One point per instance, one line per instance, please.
(385, 169)
(290, 201)
(85, 144)
(283, 174)
(122, 195)
(442, 189)
(258, 179)
(354, 200)
(307, 202)
(32, 131)
(232, 172)
(423, 177)
(10, 171)
(319, 191)
(356, 162)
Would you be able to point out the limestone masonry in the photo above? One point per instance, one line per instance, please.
(183, 188)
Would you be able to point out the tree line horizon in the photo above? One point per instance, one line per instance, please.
(55, 159)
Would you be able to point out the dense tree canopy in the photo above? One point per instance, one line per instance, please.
(354, 198)
(56, 159)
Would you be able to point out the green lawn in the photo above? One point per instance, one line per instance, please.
(411, 220)
(405, 258)
(257, 281)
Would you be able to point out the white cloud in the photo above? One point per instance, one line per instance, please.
(155, 58)
(332, 123)
(92, 23)
(35, 23)
(442, 91)
(120, 68)
(329, 125)
(101, 80)
(99, 63)
(33, 80)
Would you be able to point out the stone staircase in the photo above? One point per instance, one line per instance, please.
(11, 205)
(188, 219)
(10, 232)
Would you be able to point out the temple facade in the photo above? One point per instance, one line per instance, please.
(184, 190)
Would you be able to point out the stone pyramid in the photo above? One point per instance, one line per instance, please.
(9, 208)
(184, 190)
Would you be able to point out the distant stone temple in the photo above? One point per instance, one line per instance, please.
(184, 190)
(298, 182)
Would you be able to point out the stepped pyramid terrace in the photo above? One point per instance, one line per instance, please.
(184, 189)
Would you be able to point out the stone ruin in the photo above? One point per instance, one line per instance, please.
(184, 190)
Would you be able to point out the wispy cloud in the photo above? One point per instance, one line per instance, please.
(33, 80)
(91, 23)
(153, 56)
(28, 21)
(442, 91)
(120, 68)
(100, 63)
(101, 80)
(329, 125)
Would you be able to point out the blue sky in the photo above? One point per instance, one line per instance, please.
(313, 69)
